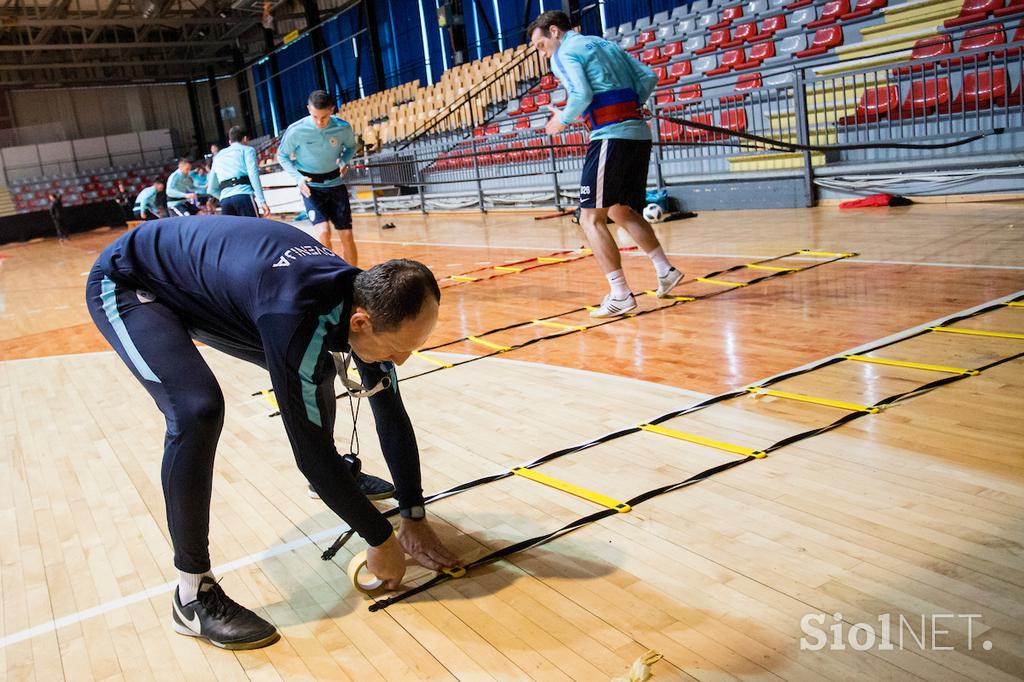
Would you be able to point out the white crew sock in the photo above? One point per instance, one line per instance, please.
(660, 260)
(617, 280)
(188, 585)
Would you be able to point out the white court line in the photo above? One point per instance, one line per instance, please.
(685, 254)
(57, 623)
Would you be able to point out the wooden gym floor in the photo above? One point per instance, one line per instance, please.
(914, 512)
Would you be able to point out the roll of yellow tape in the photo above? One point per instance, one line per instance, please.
(367, 582)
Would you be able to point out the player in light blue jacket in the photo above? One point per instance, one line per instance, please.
(234, 178)
(607, 88)
(147, 204)
(181, 191)
(315, 151)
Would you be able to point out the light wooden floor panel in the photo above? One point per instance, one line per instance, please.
(912, 511)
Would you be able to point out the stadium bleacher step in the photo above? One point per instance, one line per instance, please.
(774, 161)
(6, 203)
(907, 17)
(903, 40)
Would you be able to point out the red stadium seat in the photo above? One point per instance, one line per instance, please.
(680, 69)
(1012, 7)
(1018, 36)
(927, 48)
(653, 56)
(691, 91)
(771, 25)
(542, 100)
(830, 13)
(927, 96)
(527, 105)
(982, 89)
(972, 11)
(979, 38)
(729, 15)
(733, 119)
(728, 62)
(824, 40)
(641, 41)
(758, 53)
(548, 82)
(874, 104)
(743, 33)
(672, 49)
(863, 8)
(715, 41)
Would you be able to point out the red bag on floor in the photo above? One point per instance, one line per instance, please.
(876, 200)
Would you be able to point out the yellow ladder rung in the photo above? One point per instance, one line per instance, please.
(826, 253)
(1015, 304)
(701, 440)
(483, 342)
(546, 259)
(424, 356)
(268, 395)
(672, 298)
(559, 484)
(558, 325)
(912, 365)
(464, 278)
(721, 282)
(812, 399)
(768, 267)
(977, 332)
(506, 268)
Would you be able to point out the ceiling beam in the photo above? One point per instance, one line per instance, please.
(93, 65)
(117, 46)
(98, 21)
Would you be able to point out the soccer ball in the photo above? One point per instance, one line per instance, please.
(652, 213)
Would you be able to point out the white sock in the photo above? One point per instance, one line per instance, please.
(660, 260)
(617, 280)
(188, 585)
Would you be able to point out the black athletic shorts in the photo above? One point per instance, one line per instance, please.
(329, 203)
(615, 172)
(240, 204)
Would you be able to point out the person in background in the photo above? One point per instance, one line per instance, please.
(234, 178)
(322, 145)
(181, 191)
(123, 201)
(147, 204)
(57, 215)
(607, 88)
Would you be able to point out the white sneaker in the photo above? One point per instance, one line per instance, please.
(613, 307)
(668, 282)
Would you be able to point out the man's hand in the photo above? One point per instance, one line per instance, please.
(421, 543)
(343, 169)
(191, 196)
(554, 125)
(265, 210)
(304, 188)
(387, 562)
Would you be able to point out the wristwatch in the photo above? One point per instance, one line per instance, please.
(415, 513)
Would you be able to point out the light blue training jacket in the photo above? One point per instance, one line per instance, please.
(316, 150)
(178, 186)
(587, 66)
(235, 161)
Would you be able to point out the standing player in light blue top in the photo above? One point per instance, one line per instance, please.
(234, 178)
(607, 87)
(181, 191)
(315, 151)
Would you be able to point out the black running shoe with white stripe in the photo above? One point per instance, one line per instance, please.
(215, 617)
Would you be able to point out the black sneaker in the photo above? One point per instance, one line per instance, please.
(215, 617)
(373, 487)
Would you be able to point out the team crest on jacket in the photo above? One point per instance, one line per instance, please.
(334, 141)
